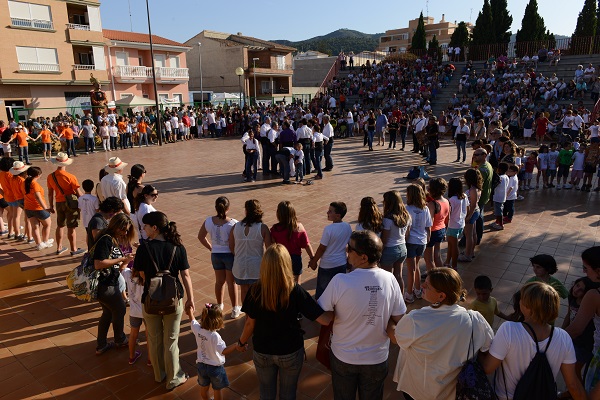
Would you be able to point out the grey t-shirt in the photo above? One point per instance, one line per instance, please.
(88, 131)
(97, 222)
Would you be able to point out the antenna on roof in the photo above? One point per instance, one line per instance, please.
(130, 19)
(427, 7)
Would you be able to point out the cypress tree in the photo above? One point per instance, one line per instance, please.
(419, 39)
(460, 36)
(435, 50)
(532, 25)
(587, 20)
(483, 32)
(502, 21)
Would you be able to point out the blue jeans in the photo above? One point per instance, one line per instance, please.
(370, 135)
(317, 160)
(498, 209)
(143, 138)
(433, 152)
(251, 165)
(123, 140)
(24, 154)
(299, 172)
(327, 154)
(89, 144)
(288, 367)
(70, 147)
(347, 379)
(324, 276)
(284, 164)
(461, 146)
(113, 312)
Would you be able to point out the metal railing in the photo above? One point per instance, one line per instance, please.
(268, 65)
(164, 72)
(78, 27)
(34, 67)
(130, 71)
(31, 23)
(84, 67)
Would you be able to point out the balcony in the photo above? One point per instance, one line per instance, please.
(172, 75)
(32, 24)
(267, 68)
(81, 72)
(39, 68)
(136, 74)
(78, 27)
(79, 33)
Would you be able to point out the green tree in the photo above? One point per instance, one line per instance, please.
(483, 31)
(435, 50)
(587, 20)
(532, 25)
(502, 21)
(419, 39)
(460, 36)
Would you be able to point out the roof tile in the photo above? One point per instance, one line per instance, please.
(136, 37)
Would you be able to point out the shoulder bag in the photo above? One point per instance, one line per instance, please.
(83, 280)
(71, 199)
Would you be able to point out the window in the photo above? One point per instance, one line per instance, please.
(265, 87)
(29, 15)
(145, 96)
(280, 62)
(122, 58)
(37, 59)
(163, 96)
(86, 59)
(174, 61)
(79, 19)
(140, 61)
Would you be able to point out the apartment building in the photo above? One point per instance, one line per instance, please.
(266, 67)
(49, 49)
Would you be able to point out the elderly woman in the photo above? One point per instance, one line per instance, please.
(272, 308)
(365, 302)
(430, 358)
(164, 249)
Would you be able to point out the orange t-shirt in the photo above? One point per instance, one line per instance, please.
(17, 187)
(68, 183)
(122, 126)
(21, 137)
(31, 202)
(142, 127)
(68, 133)
(46, 136)
(5, 178)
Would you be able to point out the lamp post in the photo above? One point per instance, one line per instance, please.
(254, 60)
(200, 63)
(239, 71)
(158, 127)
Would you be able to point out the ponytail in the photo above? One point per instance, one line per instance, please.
(32, 172)
(167, 228)
(28, 181)
(221, 206)
(170, 233)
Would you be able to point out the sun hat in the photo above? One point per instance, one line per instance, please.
(61, 159)
(114, 165)
(18, 168)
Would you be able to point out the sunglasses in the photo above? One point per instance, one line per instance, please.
(351, 249)
(153, 194)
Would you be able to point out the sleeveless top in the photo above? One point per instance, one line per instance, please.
(219, 234)
(439, 219)
(248, 251)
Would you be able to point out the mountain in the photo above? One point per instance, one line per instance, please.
(334, 42)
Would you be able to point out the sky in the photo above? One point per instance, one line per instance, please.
(180, 20)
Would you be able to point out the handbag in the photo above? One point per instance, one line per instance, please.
(162, 296)
(593, 374)
(324, 345)
(71, 199)
(83, 280)
(472, 382)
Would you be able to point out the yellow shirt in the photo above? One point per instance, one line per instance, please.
(488, 310)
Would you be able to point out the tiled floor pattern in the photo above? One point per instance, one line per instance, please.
(47, 337)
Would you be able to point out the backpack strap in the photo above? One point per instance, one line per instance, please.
(535, 339)
(471, 348)
(154, 262)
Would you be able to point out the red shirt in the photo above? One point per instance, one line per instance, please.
(542, 125)
(293, 244)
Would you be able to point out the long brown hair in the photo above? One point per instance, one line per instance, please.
(394, 209)
(369, 215)
(286, 215)
(415, 196)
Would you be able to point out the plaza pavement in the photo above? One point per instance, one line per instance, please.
(47, 337)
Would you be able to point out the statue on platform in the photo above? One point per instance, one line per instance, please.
(97, 97)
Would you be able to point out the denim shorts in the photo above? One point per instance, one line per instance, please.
(454, 232)
(47, 146)
(414, 250)
(212, 375)
(135, 322)
(13, 203)
(296, 264)
(39, 214)
(436, 237)
(391, 255)
(21, 203)
(244, 281)
(222, 261)
(474, 217)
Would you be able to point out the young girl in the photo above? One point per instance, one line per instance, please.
(542, 167)
(418, 236)
(369, 216)
(103, 131)
(474, 182)
(439, 208)
(396, 228)
(459, 204)
(530, 163)
(211, 350)
(36, 209)
(135, 288)
(19, 173)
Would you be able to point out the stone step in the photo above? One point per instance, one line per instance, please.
(16, 267)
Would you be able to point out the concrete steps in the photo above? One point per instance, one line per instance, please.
(16, 267)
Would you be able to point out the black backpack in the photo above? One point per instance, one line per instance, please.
(163, 293)
(537, 383)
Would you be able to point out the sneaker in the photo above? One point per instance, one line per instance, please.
(136, 357)
(221, 306)
(568, 186)
(124, 343)
(78, 251)
(20, 237)
(3, 232)
(11, 236)
(236, 312)
(519, 197)
(418, 293)
(102, 350)
(41, 246)
(50, 242)
(61, 250)
(409, 298)
(558, 187)
(30, 240)
(496, 227)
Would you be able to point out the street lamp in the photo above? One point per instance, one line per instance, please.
(200, 62)
(254, 60)
(239, 71)
(158, 127)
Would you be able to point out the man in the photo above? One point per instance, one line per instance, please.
(113, 183)
(287, 137)
(367, 302)
(432, 130)
(263, 140)
(380, 124)
(212, 122)
(61, 184)
(304, 136)
(328, 134)
(283, 158)
(479, 161)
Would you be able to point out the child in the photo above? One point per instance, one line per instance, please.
(332, 248)
(542, 166)
(88, 203)
(298, 158)
(418, 237)
(500, 190)
(544, 266)
(565, 157)
(484, 303)
(135, 288)
(552, 164)
(578, 166)
(530, 163)
(511, 194)
(211, 350)
(459, 203)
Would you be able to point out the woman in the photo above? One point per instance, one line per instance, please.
(369, 216)
(480, 131)
(163, 330)
(439, 209)
(474, 181)
(430, 358)
(509, 151)
(219, 228)
(134, 186)
(36, 209)
(516, 343)
(109, 260)
(143, 204)
(370, 129)
(247, 241)
(395, 229)
(318, 145)
(251, 150)
(103, 132)
(99, 221)
(272, 307)
(6, 164)
(291, 233)
(460, 139)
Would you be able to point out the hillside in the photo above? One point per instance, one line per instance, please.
(334, 42)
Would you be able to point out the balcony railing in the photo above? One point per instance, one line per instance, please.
(164, 72)
(31, 23)
(78, 27)
(34, 67)
(129, 71)
(276, 66)
(84, 67)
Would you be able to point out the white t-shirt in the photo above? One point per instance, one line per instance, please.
(543, 160)
(516, 348)
(139, 215)
(513, 186)
(336, 237)
(552, 157)
(88, 204)
(219, 235)
(458, 212)
(578, 161)
(421, 219)
(397, 235)
(364, 300)
(501, 189)
(210, 345)
(134, 292)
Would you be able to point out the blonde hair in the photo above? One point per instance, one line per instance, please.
(449, 282)
(415, 196)
(542, 300)
(276, 279)
(394, 209)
